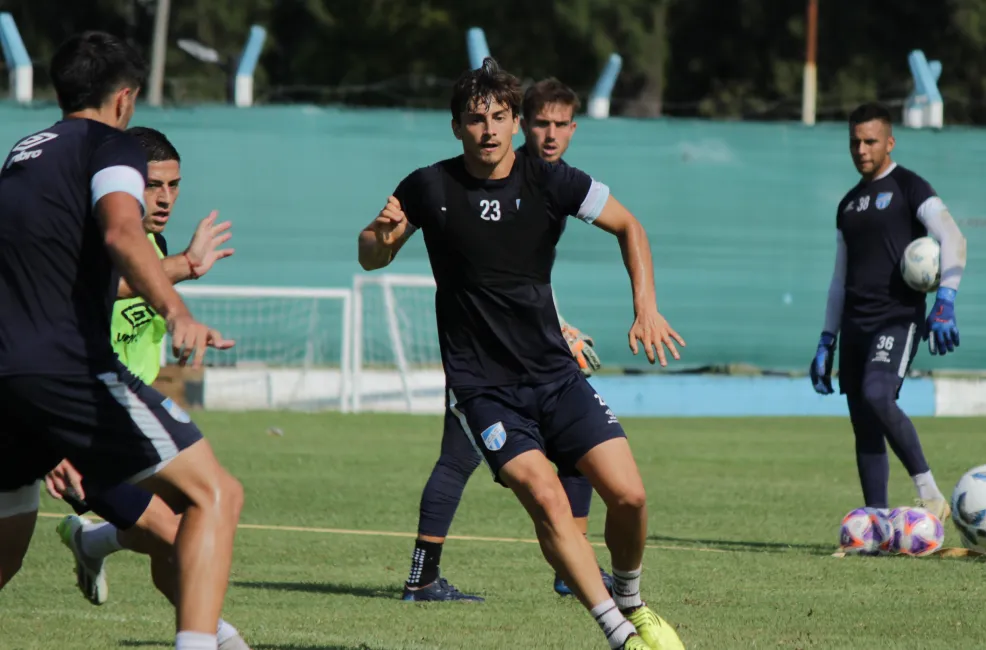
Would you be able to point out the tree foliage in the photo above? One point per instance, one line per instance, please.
(681, 57)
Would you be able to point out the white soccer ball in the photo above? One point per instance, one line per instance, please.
(969, 508)
(921, 265)
(865, 531)
(917, 532)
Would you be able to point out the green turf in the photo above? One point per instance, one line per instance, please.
(751, 507)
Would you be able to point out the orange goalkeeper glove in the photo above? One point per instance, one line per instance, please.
(581, 347)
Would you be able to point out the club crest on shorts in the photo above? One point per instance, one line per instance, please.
(175, 411)
(883, 200)
(494, 437)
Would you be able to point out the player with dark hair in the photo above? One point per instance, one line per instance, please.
(491, 219)
(71, 202)
(548, 125)
(879, 316)
(136, 520)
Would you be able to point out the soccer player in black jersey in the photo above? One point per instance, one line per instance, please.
(71, 201)
(879, 316)
(491, 219)
(549, 109)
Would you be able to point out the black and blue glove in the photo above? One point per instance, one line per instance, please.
(821, 365)
(942, 332)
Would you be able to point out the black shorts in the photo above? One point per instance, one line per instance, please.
(888, 349)
(563, 419)
(112, 427)
(122, 504)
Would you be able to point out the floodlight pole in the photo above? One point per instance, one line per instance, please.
(809, 97)
(155, 82)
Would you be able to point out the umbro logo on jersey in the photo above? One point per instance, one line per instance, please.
(34, 140)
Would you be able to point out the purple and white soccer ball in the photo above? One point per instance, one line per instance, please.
(865, 531)
(921, 265)
(917, 532)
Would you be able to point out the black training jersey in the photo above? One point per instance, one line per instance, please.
(57, 281)
(491, 244)
(878, 219)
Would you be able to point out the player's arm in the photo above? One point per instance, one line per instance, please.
(196, 260)
(384, 237)
(821, 366)
(942, 331)
(176, 268)
(602, 210)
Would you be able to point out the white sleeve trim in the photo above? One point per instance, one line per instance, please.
(118, 178)
(595, 199)
(942, 227)
(837, 288)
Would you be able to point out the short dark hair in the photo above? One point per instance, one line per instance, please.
(486, 83)
(549, 91)
(870, 111)
(155, 144)
(89, 67)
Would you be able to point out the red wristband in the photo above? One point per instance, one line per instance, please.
(191, 267)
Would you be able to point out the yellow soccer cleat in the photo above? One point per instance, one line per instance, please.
(634, 642)
(937, 507)
(655, 631)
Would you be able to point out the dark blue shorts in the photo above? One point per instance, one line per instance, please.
(112, 427)
(122, 505)
(888, 350)
(563, 420)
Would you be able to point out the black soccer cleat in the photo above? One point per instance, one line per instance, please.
(439, 590)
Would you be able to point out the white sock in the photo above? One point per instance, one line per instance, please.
(626, 589)
(99, 540)
(925, 484)
(615, 626)
(195, 641)
(226, 632)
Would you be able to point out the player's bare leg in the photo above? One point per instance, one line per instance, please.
(613, 472)
(211, 499)
(18, 514)
(533, 479)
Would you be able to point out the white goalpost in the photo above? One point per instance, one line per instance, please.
(397, 364)
(293, 346)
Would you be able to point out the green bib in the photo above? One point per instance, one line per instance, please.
(138, 334)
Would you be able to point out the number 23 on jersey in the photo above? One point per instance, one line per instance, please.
(489, 210)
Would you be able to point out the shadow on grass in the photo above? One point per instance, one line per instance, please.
(130, 643)
(361, 591)
(745, 547)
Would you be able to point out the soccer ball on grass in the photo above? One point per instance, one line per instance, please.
(917, 532)
(969, 508)
(865, 531)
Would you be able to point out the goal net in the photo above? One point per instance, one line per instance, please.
(292, 346)
(397, 364)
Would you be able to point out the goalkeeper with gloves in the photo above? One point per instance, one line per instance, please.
(879, 316)
(548, 122)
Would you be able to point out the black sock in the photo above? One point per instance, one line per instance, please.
(424, 563)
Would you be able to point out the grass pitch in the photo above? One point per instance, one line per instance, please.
(744, 516)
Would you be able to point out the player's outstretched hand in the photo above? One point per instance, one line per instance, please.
(64, 479)
(204, 249)
(190, 339)
(821, 366)
(653, 331)
(391, 223)
(942, 331)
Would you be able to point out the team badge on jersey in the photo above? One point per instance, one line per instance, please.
(494, 437)
(175, 411)
(883, 200)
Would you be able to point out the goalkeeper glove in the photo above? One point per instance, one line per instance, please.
(942, 332)
(581, 347)
(821, 365)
